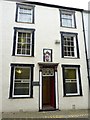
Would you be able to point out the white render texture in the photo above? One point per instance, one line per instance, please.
(47, 31)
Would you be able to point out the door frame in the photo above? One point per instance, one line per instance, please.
(54, 66)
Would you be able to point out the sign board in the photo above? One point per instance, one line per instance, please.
(35, 83)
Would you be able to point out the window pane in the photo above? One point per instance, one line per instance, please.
(28, 52)
(24, 35)
(67, 23)
(19, 34)
(64, 22)
(65, 48)
(65, 53)
(28, 40)
(22, 17)
(22, 81)
(25, 15)
(73, 54)
(23, 51)
(18, 51)
(67, 19)
(71, 87)
(22, 73)
(21, 91)
(72, 43)
(28, 35)
(24, 42)
(68, 53)
(28, 18)
(19, 46)
(70, 77)
(70, 73)
(28, 46)
(69, 47)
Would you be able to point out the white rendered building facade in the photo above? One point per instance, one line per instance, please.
(44, 63)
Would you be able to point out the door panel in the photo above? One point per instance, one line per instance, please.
(52, 89)
(46, 91)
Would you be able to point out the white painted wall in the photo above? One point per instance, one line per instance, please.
(47, 30)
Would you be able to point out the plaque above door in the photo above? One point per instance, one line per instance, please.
(47, 55)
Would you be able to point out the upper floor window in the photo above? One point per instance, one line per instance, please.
(25, 13)
(23, 42)
(68, 19)
(69, 45)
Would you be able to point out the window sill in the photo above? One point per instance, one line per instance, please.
(71, 57)
(73, 96)
(20, 97)
(25, 22)
(68, 27)
(23, 56)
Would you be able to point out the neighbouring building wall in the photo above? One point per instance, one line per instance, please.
(88, 27)
(86, 17)
(89, 50)
(47, 31)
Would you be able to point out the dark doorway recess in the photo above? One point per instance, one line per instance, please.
(48, 93)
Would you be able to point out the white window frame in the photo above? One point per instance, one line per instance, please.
(27, 7)
(72, 18)
(77, 80)
(75, 45)
(21, 79)
(23, 31)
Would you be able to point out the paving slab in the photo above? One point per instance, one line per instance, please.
(63, 114)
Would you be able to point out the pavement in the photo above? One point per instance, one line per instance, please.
(63, 114)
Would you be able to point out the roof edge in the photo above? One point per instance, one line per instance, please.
(52, 5)
(86, 11)
(46, 4)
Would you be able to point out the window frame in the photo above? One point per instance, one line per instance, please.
(76, 46)
(26, 30)
(24, 6)
(12, 81)
(79, 87)
(73, 18)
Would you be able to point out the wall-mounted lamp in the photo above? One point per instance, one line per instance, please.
(57, 41)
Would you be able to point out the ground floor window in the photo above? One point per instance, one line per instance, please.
(21, 80)
(71, 80)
